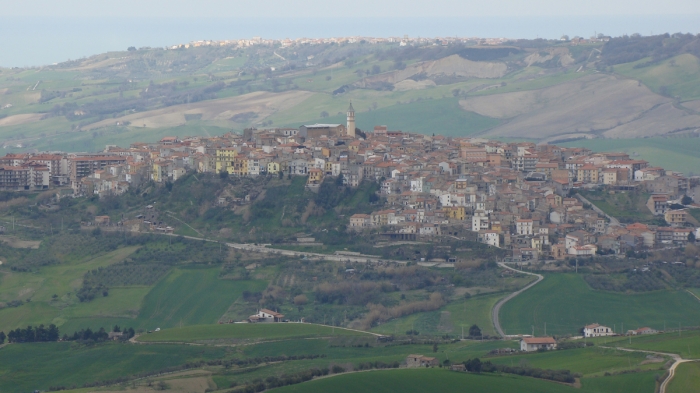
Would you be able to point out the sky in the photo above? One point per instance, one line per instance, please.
(339, 8)
(39, 32)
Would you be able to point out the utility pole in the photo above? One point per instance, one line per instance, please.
(533, 330)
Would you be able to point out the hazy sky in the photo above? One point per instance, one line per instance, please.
(335, 8)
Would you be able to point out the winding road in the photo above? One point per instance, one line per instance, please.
(671, 371)
(497, 308)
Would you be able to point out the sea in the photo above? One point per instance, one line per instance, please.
(37, 41)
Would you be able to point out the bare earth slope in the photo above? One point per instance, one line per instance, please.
(594, 105)
(261, 103)
(451, 65)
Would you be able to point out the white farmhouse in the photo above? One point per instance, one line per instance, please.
(596, 330)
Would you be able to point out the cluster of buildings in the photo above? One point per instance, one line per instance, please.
(402, 41)
(517, 196)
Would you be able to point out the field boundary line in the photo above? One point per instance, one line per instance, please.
(497, 307)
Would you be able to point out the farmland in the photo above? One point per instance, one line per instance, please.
(248, 332)
(446, 381)
(687, 378)
(576, 305)
(686, 344)
(27, 367)
(449, 319)
(207, 298)
(112, 99)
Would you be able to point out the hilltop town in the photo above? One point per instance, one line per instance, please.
(521, 197)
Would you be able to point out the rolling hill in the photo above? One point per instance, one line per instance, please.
(547, 91)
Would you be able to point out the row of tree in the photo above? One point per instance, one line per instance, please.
(32, 334)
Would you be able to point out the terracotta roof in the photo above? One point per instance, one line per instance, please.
(539, 340)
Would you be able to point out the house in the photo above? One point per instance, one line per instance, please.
(658, 204)
(640, 331)
(114, 335)
(415, 361)
(102, 220)
(596, 330)
(458, 367)
(265, 315)
(579, 251)
(676, 217)
(359, 221)
(530, 344)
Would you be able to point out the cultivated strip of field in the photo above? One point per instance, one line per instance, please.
(595, 104)
(576, 305)
(262, 104)
(248, 331)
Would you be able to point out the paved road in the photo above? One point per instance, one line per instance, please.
(613, 221)
(497, 308)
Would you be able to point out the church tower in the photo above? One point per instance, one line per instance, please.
(351, 121)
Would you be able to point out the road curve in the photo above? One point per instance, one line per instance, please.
(671, 371)
(497, 308)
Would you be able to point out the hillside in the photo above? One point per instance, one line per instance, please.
(540, 90)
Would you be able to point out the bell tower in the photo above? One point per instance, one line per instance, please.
(351, 121)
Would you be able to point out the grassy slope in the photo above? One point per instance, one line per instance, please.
(680, 75)
(26, 367)
(687, 345)
(461, 313)
(62, 280)
(576, 305)
(677, 154)
(191, 296)
(622, 205)
(686, 380)
(440, 116)
(442, 380)
(269, 331)
(593, 361)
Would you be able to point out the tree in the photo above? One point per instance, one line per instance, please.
(131, 48)
(473, 365)
(2, 337)
(686, 200)
(324, 114)
(435, 347)
(475, 331)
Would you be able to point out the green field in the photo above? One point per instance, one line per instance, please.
(187, 296)
(687, 344)
(676, 154)
(439, 116)
(447, 320)
(25, 367)
(63, 280)
(686, 379)
(678, 76)
(592, 361)
(442, 380)
(576, 304)
(243, 331)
